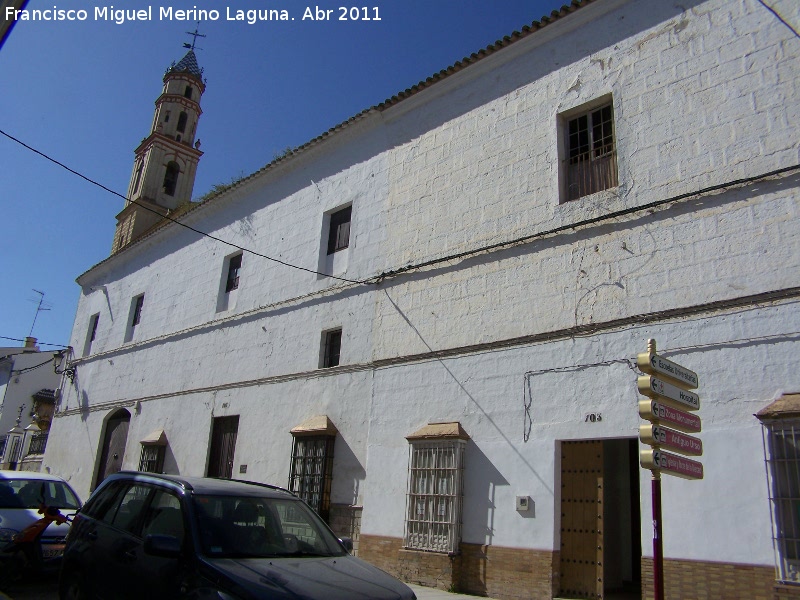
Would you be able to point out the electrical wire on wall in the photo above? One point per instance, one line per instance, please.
(528, 393)
(790, 336)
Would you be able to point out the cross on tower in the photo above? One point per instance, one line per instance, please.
(196, 35)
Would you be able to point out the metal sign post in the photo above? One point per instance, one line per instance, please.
(658, 551)
(667, 385)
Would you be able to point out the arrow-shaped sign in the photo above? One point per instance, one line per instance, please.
(671, 464)
(661, 390)
(660, 413)
(657, 435)
(656, 365)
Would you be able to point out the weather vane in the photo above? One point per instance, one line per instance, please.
(196, 35)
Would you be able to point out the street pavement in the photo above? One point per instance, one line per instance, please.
(47, 589)
(426, 593)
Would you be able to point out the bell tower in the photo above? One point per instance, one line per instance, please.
(165, 162)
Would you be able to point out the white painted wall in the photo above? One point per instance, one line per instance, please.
(702, 96)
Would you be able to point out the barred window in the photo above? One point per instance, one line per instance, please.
(433, 503)
(782, 449)
(591, 158)
(311, 471)
(152, 459)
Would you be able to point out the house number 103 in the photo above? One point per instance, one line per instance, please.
(593, 418)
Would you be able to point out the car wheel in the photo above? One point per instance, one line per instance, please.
(73, 587)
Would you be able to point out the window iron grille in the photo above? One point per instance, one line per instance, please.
(151, 459)
(434, 499)
(38, 443)
(782, 454)
(311, 471)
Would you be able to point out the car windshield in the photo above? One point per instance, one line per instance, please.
(32, 493)
(255, 527)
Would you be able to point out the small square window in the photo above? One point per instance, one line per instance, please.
(590, 159)
(234, 266)
(339, 231)
(332, 348)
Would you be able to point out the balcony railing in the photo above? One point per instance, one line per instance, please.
(587, 174)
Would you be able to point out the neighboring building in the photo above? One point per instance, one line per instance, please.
(451, 377)
(28, 389)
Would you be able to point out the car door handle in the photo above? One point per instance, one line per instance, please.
(92, 535)
(129, 555)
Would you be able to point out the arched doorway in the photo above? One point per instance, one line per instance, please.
(112, 451)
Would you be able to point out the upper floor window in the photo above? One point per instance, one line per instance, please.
(135, 316)
(591, 157)
(234, 265)
(91, 333)
(137, 311)
(339, 230)
(187, 93)
(331, 348)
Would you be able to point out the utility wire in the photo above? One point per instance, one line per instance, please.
(168, 218)
(2, 337)
(49, 361)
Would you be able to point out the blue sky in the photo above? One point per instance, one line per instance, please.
(84, 93)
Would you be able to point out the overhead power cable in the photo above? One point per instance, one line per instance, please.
(2, 337)
(502, 245)
(168, 218)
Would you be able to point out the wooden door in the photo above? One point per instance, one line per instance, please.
(582, 519)
(223, 446)
(113, 450)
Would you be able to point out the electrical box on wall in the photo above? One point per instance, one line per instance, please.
(524, 503)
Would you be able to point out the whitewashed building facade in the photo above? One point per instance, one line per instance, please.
(505, 237)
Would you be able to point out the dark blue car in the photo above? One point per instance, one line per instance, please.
(163, 536)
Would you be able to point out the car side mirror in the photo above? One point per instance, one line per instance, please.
(347, 543)
(166, 546)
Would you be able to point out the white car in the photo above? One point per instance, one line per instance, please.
(22, 493)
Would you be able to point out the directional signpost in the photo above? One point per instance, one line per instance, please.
(667, 384)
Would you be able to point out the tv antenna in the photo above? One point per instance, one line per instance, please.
(39, 309)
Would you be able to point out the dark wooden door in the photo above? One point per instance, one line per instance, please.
(223, 445)
(113, 450)
(582, 519)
